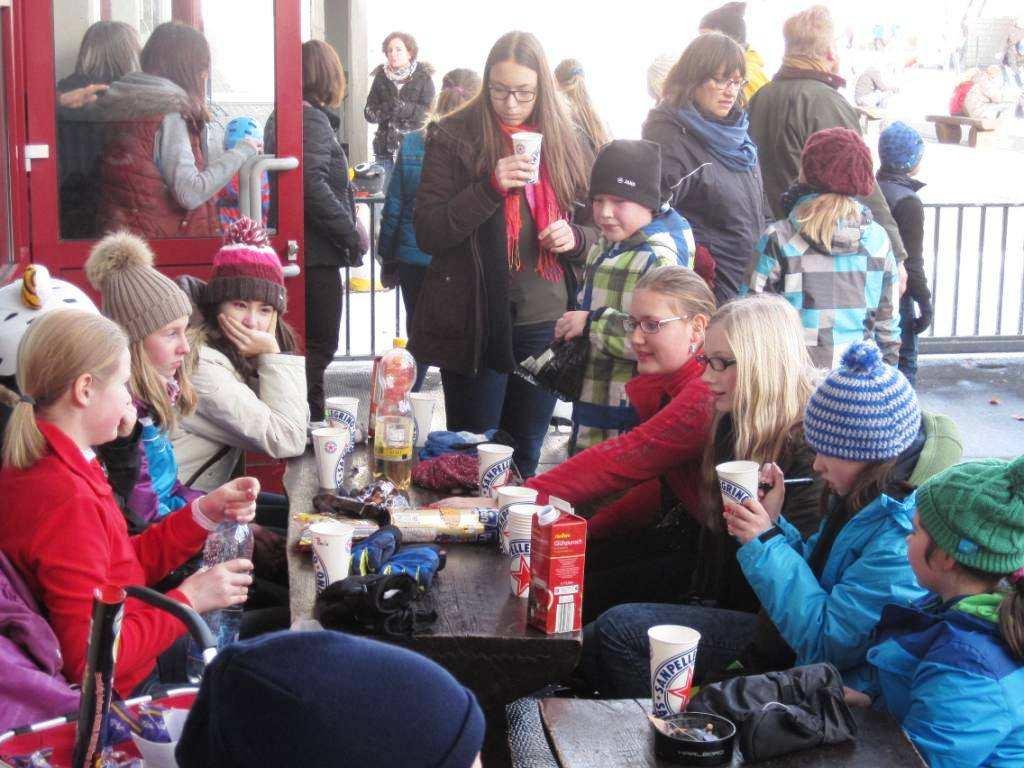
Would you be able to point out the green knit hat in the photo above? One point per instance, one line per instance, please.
(975, 512)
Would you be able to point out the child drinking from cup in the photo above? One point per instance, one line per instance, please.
(59, 523)
(950, 667)
(637, 235)
(821, 599)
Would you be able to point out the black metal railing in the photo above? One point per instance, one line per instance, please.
(973, 255)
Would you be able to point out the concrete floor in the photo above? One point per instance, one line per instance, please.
(959, 386)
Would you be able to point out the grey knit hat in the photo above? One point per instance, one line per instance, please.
(135, 295)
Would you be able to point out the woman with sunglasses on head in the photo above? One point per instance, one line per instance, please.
(502, 245)
(709, 166)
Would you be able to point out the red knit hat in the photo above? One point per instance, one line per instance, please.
(247, 267)
(837, 160)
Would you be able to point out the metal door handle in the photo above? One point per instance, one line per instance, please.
(250, 202)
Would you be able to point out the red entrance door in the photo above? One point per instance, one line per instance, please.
(256, 69)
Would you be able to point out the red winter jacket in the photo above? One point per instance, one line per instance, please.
(669, 443)
(63, 531)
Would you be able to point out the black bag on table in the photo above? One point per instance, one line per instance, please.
(781, 712)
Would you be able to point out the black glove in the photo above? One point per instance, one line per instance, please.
(389, 274)
(925, 320)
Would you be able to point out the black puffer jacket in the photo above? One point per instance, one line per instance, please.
(330, 232)
(398, 112)
(724, 207)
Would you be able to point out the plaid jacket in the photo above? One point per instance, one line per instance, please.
(846, 296)
(611, 272)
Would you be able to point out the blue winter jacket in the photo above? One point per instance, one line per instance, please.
(832, 619)
(951, 681)
(397, 238)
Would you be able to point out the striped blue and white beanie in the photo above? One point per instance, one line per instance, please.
(864, 410)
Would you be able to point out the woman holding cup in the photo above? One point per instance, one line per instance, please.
(502, 243)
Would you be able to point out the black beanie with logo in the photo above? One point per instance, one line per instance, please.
(630, 169)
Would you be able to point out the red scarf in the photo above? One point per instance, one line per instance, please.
(543, 204)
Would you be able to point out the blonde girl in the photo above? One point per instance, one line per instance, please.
(59, 523)
(571, 82)
(154, 313)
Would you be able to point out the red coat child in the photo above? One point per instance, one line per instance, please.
(675, 410)
(62, 529)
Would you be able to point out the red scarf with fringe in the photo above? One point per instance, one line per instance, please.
(543, 204)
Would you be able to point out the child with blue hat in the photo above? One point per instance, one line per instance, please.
(900, 149)
(228, 200)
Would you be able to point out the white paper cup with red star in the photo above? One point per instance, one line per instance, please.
(519, 527)
(673, 657)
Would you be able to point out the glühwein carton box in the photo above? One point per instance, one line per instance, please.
(557, 550)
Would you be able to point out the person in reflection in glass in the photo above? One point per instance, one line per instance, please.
(332, 235)
(156, 176)
(109, 50)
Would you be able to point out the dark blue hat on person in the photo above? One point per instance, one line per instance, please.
(319, 699)
(900, 147)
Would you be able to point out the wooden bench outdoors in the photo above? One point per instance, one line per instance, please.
(949, 130)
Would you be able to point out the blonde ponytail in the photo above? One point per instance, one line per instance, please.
(819, 217)
(58, 348)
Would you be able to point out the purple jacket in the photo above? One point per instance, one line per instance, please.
(32, 688)
(157, 490)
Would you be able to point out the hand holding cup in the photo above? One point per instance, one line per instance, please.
(746, 522)
(513, 172)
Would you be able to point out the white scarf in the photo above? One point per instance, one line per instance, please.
(401, 75)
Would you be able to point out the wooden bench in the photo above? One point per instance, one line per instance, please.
(578, 733)
(949, 130)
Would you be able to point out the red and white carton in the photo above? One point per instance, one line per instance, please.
(557, 550)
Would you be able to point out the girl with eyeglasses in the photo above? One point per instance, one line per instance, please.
(709, 168)
(502, 248)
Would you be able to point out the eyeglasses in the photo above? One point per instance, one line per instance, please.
(500, 94)
(647, 326)
(723, 84)
(714, 363)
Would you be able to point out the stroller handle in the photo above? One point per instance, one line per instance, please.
(193, 621)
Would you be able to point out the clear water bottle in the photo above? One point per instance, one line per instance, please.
(229, 541)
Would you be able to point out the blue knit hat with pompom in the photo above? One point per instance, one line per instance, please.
(864, 410)
(900, 147)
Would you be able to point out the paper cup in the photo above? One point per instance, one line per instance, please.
(342, 412)
(507, 496)
(422, 416)
(495, 467)
(332, 551)
(528, 143)
(673, 656)
(519, 565)
(738, 480)
(331, 444)
(157, 754)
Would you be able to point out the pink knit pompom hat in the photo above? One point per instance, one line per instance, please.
(246, 267)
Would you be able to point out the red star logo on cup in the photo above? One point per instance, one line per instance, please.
(683, 691)
(522, 576)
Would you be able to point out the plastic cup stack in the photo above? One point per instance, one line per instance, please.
(507, 496)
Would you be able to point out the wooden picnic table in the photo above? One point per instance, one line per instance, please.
(606, 734)
(480, 635)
